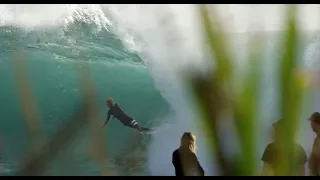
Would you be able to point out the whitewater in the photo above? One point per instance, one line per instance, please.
(136, 54)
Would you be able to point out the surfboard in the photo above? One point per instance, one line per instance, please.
(149, 132)
(156, 129)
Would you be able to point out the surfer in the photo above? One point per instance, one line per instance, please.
(116, 112)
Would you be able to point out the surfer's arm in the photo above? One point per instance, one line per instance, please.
(107, 120)
(105, 123)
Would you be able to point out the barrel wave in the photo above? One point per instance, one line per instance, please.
(51, 54)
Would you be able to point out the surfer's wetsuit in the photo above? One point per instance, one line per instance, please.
(118, 113)
(126, 120)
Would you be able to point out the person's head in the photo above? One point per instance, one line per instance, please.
(277, 126)
(188, 142)
(109, 102)
(315, 122)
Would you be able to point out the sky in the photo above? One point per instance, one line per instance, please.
(268, 17)
(239, 17)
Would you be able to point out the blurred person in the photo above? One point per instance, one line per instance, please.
(116, 112)
(270, 156)
(184, 158)
(314, 161)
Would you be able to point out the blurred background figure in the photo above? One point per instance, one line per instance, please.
(184, 158)
(315, 154)
(270, 156)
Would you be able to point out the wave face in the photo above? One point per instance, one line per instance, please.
(135, 53)
(79, 34)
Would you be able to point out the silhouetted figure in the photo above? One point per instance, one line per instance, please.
(184, 159)
(314, 161)
(271, 156)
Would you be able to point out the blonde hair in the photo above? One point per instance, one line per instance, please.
(188, 142)
(110, 100)
(187, 152)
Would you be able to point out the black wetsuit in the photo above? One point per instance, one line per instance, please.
(118, 113)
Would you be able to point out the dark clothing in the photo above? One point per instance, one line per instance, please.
(118, 113)
(176, 161)
(270, 155)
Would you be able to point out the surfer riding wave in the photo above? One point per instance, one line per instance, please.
(116, 112)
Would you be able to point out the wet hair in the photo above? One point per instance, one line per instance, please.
(110, 101)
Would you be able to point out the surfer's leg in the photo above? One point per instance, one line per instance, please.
(135, 125)
(139, 128)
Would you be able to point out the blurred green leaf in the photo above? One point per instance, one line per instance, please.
(218, 45)
(245, 106)
(290, 94)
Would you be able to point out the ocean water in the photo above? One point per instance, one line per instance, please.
(51, 55)
(135, 54)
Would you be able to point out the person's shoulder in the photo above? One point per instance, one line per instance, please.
(268, 153)
(269, 149)
(175, 152)
(271, 145)
(300, 148)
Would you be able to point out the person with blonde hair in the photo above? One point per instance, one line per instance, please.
(184, 159)
(314, 160)
(117, 112)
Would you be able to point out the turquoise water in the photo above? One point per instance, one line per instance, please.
(51, 56)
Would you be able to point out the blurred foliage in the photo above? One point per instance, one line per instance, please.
(216, 94)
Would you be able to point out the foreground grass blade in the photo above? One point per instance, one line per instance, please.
(28, 103)
(218, 45)
(36, 164)
(246, 107)
(291, 94)
(210, 91)
(98, 143)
